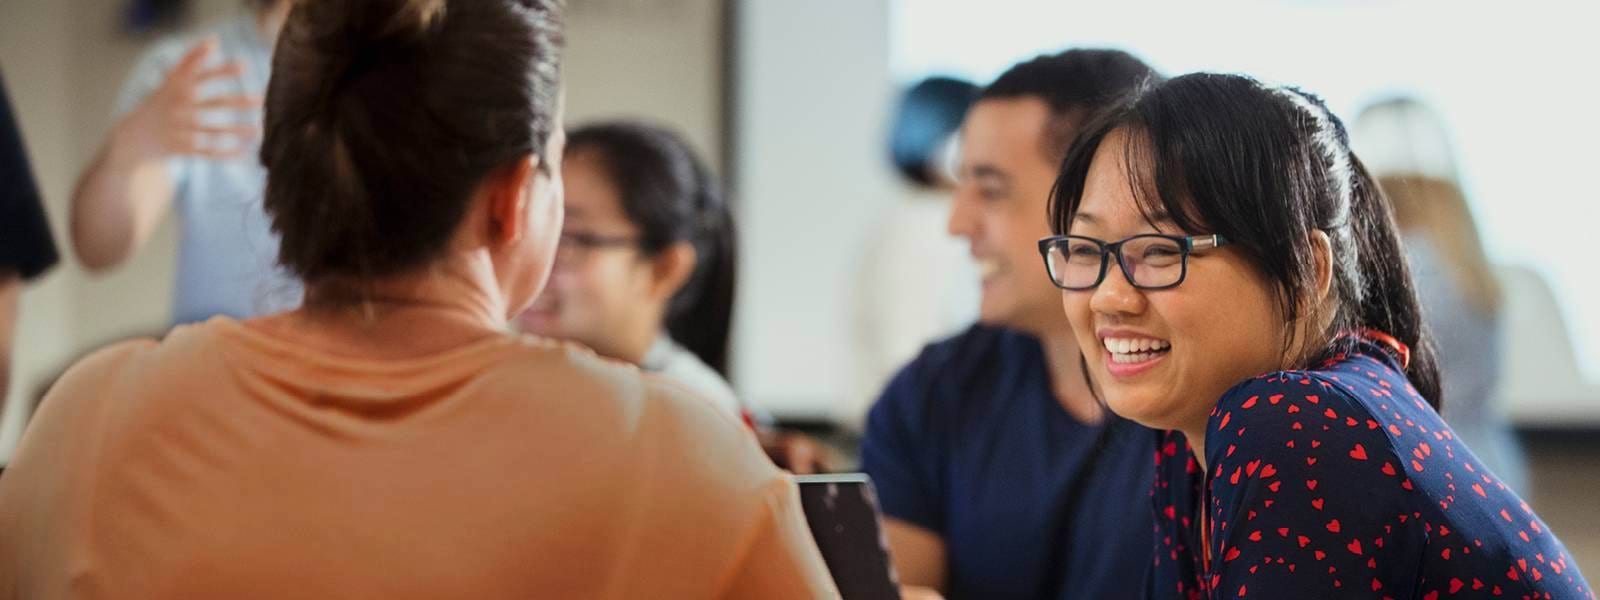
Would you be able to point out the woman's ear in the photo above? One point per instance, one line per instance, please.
(1322, 254)
(508, 189)
(671, 269)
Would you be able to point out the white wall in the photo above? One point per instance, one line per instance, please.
(813, 95)
(660, 59)
(64, 61)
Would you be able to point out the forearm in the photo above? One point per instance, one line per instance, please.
(118, 202)
(918, 554)
(10, 284)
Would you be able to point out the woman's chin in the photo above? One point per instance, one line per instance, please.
(1124, 407)
(1136, 407)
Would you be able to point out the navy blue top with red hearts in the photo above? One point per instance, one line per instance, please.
(1341, 482)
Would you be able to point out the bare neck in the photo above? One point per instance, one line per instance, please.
(1196, 435)
(452, 303)
(633, 346)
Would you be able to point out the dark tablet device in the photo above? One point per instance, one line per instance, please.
(842, 511)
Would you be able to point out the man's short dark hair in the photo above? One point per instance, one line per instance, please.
(1075, 85)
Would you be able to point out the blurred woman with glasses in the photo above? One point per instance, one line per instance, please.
(646, 268)
(1234, 276)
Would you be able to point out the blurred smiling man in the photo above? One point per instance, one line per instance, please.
(1000, 474)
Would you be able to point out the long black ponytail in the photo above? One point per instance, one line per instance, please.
(1387, 299)
(671, 196)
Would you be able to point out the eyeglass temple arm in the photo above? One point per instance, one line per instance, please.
(1206, 242)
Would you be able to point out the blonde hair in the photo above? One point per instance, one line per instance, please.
(1437, 209)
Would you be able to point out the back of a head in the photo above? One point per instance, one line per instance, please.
(929, 113)
(382, 117)
(1076, 85)
(670, 194)
(1263, 167)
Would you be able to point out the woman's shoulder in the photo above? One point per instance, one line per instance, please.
(1287, 396)
(685, 445)
(643, 401)
(1340, 383)
(1277, 410)
(678, 365)
(76, 404)
(130, 367)
(104, 365)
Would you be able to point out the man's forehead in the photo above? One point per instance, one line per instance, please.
(1002, 131)
(1025, 116)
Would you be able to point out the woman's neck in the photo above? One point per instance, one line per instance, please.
(634, 348)
(636, 337)
(454, 302)
(1197, 441)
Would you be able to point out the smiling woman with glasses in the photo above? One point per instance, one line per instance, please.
(1262, 313)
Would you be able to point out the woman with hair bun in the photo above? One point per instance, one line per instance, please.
(390, 439)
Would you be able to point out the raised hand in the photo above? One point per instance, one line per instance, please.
(168, 122)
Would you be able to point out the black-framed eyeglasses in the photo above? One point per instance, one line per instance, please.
(575, 246)
(1150, 261)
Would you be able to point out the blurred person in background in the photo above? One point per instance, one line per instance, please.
(1412, 157)
(185, 141)
(999, 474)
(27, 249)
(646, 269)
(390, 438)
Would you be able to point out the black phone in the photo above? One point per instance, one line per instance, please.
(842, 510)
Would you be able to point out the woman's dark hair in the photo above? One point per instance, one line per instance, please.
(670, 195)
(1263, 167)
(383, 116)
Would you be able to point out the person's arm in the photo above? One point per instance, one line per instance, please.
(10, 285)
(123, 195)
(794, 452)
(918, 554)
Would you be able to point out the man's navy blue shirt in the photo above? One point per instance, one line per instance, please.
(969, 442)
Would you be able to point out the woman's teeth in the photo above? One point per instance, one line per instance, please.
(1135, 350)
